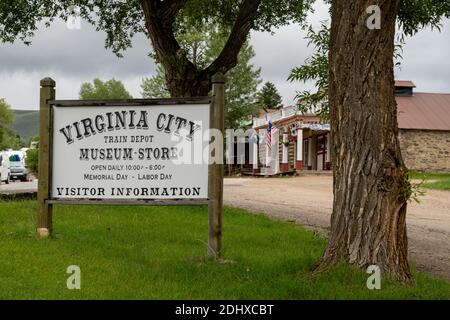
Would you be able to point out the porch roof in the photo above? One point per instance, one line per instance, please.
(291, 119)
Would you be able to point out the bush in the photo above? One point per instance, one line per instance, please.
(32, 160)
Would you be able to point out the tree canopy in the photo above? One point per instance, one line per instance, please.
(155, 86)
(160, 21)
(269, 97)
(412, 16)
(8, 137)
(121, 20)
(417, 14)
(98, 89)
(315, 68)
(6, 119)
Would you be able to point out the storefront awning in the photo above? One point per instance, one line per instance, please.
(316, 126)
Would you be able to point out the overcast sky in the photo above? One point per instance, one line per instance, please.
(71, 57)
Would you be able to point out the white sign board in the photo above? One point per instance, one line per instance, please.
(130, 152)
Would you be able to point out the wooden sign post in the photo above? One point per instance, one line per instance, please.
(78, 134)
(44, 218)
(215, 193)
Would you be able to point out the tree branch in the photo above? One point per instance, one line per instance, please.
(159, 20)
(170, 8)
(182, 76)
(160, 30)
(227, 59)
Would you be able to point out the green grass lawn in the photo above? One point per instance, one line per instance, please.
(158, 253)
(439, 181)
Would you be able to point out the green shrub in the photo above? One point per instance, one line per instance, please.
(32, 160)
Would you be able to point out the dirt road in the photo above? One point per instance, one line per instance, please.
(308, 201)
(18, 187)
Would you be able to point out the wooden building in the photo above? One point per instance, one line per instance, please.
(299, 142)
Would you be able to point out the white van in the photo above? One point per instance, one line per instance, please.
(5, 171)
(17, 166)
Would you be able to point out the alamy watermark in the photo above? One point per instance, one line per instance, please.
(374, 280)
(373, 22)
(74, 280)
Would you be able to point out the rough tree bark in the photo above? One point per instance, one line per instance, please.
(182, 76)
(368, 221)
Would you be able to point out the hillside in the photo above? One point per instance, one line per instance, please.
(26, 123)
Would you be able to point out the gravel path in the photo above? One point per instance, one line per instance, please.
(308, 201)
(18, 187)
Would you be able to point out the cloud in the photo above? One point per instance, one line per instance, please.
(21, 88)
(70, 57)
(426, 60)
(75, 52)
(287, 48)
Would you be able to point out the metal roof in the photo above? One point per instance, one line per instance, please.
(423, 111)
(427, 111)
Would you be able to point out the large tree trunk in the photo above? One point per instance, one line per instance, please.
(191, 83)
(368, 222)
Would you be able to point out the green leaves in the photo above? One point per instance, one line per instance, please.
(111, 89)
(271, 13)
(202, 45)
(315, 68)
(33, 160)
(276, 13)
(241, 84)
(121, 20)
(19, 19)
(417, 14)
(155, 87)
(269, 97)
(6, 115)
(8, 137)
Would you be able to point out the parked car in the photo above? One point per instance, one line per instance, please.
(5, 172)
(18, 170)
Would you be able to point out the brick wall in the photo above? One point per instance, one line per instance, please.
(426, 150)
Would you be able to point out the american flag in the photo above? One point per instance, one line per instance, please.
(269, 136)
